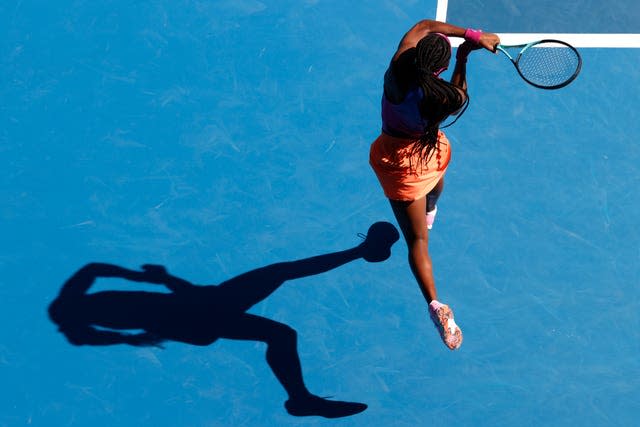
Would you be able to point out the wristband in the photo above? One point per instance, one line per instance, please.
(472, 35)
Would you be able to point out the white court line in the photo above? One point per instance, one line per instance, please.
(441, 10)
(576, 40)
(604, 40)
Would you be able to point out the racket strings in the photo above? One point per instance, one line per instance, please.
(548, 64)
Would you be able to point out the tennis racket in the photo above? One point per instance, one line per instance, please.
(545, 64)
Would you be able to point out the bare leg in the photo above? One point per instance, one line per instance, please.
(412, 220)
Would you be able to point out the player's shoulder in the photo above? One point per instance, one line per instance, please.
(400, 76)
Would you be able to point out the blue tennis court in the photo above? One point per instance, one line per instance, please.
(227, 142)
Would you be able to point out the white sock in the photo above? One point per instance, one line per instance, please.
(435, 305)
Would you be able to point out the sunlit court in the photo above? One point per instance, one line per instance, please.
(192, 234)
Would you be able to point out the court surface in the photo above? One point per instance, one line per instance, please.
(218, 138)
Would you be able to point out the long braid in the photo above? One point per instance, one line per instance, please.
(441, 98)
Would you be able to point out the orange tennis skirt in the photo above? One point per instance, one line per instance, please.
(404, 176)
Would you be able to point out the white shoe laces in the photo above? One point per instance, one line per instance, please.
(451, 325)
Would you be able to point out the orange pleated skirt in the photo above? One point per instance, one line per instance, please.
(403, 175)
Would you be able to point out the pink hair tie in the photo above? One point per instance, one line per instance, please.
(444, 36)
(472, 35)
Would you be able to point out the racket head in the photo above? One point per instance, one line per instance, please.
(548, 63)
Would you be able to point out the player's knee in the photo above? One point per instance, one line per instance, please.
(418, 238)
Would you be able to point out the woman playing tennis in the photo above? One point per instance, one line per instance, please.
(411, 155)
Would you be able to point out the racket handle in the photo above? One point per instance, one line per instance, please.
(472, 35)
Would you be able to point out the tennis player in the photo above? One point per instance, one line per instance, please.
(411, 155)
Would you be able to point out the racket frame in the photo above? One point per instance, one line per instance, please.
(525, 46)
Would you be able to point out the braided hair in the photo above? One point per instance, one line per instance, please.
(441, 98)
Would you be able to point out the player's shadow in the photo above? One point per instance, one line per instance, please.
(199, 315)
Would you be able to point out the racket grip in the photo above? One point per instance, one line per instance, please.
(472, 35)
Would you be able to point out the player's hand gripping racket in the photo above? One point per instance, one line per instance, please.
(545, 64)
